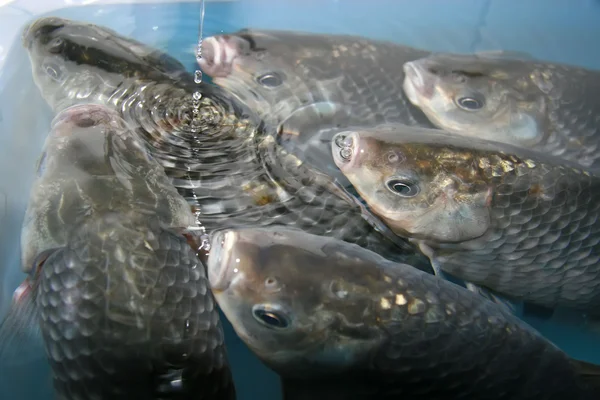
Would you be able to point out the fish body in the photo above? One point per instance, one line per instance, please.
(121, 299)
(309, 84)
(336, 321)
(518, 222)
(228, 166)
(510, 98)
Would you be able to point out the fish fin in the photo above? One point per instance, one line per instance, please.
(20, 335)
(514, 307)
(505, 55)
(590, 373)
(430, 253)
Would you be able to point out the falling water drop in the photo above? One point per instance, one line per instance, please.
(196, 123)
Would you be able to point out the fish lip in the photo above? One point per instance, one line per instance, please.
(342, 141)
(30, 31)
(218, 55)
(415, 79)
(218, 260)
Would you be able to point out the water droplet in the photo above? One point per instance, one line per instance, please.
(198, 76)
(197, 95)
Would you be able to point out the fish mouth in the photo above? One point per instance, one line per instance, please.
(344, 147)
(219, 54)
(220, 272)
(84, 116)
(39, 27)
(418, 82)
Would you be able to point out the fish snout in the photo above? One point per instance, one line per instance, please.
(345, 149)
(39, 27)
(219, 54)
(220, 270)
(83, 116)
(418, 80)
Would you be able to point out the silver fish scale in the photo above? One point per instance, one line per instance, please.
(573, 113)
(445, 343)
(218, 168)
(543, 242)
(142, 319)
(364, 74)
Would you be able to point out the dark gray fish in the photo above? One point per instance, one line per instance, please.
(311, 84)
(511, 98)
(121, 299)
(228, 166)
(519, 222)
(340, 322)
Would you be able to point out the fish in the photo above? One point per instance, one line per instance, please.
(512, 98)
(114, 288)
(309, 84)
(228, 166)
(515, 221)
(336, 321)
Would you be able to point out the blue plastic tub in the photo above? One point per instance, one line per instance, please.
(556, 30)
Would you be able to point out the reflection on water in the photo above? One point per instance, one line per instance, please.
(235, 174)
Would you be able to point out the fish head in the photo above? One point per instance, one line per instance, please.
(419, 187)
(258, 68)
(289, 298)
(475, 95)
(73, 62)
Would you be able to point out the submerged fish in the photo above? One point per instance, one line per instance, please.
(512, 99)
(308, 84)
(229, 166)
(340, 322)
(122, 302)
(515, 221)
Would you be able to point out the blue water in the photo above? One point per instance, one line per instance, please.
(556, 30)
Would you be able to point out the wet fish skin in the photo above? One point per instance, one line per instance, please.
(518, 222)
(511, 98)
(311, 84)
(58, 48)
(231, 170)
(124, 305)
(336, 321)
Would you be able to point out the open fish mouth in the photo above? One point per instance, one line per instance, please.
(343, 146)
(219, 54)
(39, 27)
(219, 271)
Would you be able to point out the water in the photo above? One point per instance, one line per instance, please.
(563, 33)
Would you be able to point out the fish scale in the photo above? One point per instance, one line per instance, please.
(558, 101)
(121, 299)
(231, 173)
(344, 323)
(521, 223)
(328, 82)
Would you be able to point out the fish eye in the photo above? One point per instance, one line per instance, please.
(53, 71)
(403, 187)
(271, 317)
(270, 79)
(55, 45)
(470, 103)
